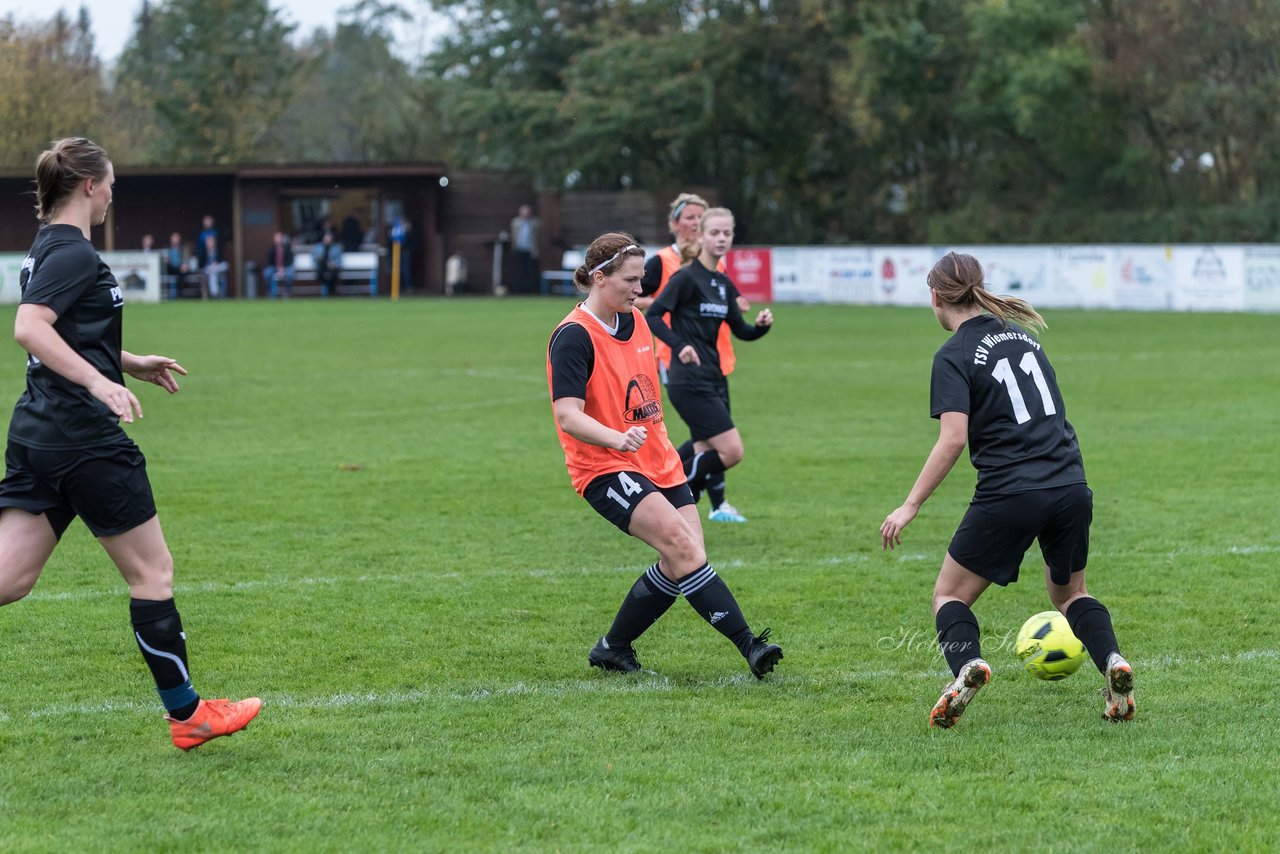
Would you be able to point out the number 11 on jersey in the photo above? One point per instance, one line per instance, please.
(1003, 373)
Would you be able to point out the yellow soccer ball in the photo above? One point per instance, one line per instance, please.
(1047, 647)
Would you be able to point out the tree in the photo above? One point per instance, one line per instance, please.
(355, 101)
(50, 85)
(218, 72)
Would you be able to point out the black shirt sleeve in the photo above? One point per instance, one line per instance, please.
(666, 303)
(741, 329)
(652, 276)
(573, 358)
(948, 386)
(62, 277)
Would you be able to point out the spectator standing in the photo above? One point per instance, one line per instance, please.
(352, 235)
(175, 263)
(209, 257)
(279, 267)
(328, 262)
(402, 232)
(526, 233)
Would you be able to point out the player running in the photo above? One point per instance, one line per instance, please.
(994, 389)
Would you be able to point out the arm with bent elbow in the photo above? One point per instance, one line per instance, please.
(33, 329)
(571, 415)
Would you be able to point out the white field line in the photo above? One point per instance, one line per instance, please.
(643, 684)
(555, 572)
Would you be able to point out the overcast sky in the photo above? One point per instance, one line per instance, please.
(113, 19)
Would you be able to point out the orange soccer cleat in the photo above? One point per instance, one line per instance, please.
(213, 718)
(956, 696)
(1118, 693)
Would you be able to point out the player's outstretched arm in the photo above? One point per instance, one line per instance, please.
(953, 434)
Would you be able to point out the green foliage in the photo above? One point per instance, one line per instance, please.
(218, 72)
(50, 85)
(355, 100)
(418, 621)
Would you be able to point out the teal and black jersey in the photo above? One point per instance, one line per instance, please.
(1019, 436)
(65, 273)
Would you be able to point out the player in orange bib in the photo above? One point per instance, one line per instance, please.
(608, 414)
(685, 221)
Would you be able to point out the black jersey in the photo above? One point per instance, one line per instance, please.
(573, 356)
(698, 301)
(1019, 436)
(64, 272)
(652, 276)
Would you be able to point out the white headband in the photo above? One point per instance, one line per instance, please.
(597, 268)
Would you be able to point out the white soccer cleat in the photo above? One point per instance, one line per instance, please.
(1118, 692)
(956, 696)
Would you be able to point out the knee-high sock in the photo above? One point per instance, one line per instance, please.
(715, 490)
(713, 601)
(646, 601)
(1091, 622)
(685, 450)
(958, 636)
(700, 467)
(158, 630)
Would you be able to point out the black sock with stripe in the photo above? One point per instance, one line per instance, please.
(158, 630)
(685, 450)
(647, 600)
(715, 490)
(958, 636)
(1091, 622)
(700, 468)
(711, 598)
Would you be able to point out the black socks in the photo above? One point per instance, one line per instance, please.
(957, 635)
(648, 599)
(712, 600)
(700, 468)
(1091, 622)
(158, 630)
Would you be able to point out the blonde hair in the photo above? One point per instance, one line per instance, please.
(605, 255)
(61, 168)
(683, 200)
(714, 212)
(957, 279)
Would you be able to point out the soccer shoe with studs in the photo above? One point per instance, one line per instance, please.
(211, 719)
(1118, 692)
(621, 659)
(956, 696)
(762, 655)
(726, 512)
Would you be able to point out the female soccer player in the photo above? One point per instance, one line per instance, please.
(701, 301)
(993, 387)
(686, 222)
(608, 414)
(67, 455)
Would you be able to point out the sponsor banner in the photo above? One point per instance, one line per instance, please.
(752, 271)
(1019, 271)
(851, 276)
(800, 274)
(1262, 278)
(10, 277)
(137, 273)
(1142, 277)
(1079, 277)
(1208, 278)
(902, 274)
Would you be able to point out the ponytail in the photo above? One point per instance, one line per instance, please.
(957, 279)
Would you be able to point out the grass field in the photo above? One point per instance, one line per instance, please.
(374, 532)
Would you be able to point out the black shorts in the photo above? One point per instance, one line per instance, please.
(107, 487)
(615, 496)
(997, 530)
(704, 408)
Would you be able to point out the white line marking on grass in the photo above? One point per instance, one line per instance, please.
(644, 683)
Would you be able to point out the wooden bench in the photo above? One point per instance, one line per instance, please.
(358, 276)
